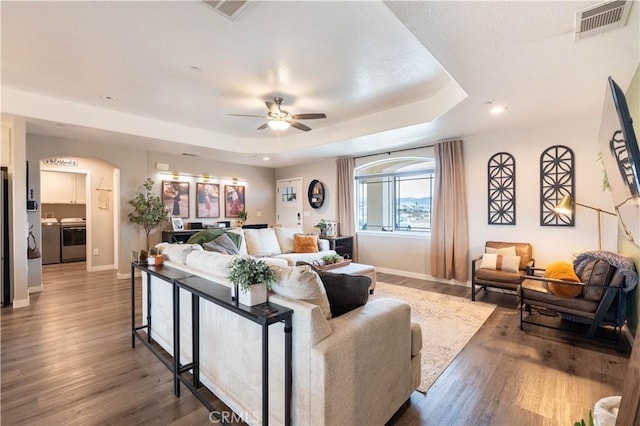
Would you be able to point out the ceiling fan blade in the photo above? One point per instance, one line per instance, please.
(309, 116)
(299, 126)
(247, 115)
(264, 126)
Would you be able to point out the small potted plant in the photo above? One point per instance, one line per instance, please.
(322, 225)
(242, 217)
(245, 273)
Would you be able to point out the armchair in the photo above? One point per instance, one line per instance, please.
(483, 276)
(604, 282)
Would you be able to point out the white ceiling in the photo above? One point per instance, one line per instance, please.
(388, 76)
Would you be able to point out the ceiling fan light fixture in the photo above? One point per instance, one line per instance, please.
(279, 124)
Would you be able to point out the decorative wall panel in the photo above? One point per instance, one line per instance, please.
(501, 182)
(556, 181)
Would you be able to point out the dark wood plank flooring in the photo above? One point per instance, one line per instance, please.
(67, 359)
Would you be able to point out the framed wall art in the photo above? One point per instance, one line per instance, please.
(175, 197)
(501, 171)
(208, 196)
(233, 200)
(556, 181)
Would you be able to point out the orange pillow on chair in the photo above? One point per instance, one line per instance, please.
(562, 271)
(306, 243)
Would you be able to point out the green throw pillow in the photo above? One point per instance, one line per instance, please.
(211, 234)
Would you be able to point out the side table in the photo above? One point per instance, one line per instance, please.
(342, 245)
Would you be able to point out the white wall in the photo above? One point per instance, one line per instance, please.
(326, 172)
(258, 182)
(410, 256)
(526, 145)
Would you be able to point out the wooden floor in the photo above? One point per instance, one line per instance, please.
(67, 359)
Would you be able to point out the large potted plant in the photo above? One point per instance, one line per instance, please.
(148, 209)
(246, 274)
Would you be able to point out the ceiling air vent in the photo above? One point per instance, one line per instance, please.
(230, 9)
(602, 17)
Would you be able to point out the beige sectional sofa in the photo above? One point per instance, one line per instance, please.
(356, 369)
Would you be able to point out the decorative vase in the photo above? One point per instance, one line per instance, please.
(332, 229)
(255, 295)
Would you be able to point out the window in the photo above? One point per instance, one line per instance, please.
(395, 195)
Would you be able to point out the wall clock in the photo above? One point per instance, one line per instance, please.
(316, 194)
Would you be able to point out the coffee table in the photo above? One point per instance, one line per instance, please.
(357, 269)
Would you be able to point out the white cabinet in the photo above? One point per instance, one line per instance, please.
(62, 188)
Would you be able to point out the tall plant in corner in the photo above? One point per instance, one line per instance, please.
(148, 210)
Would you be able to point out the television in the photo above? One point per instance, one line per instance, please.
(621, 158)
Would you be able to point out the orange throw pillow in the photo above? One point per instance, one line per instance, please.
(563, 271)
(306, 243)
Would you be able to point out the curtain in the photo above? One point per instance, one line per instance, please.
(345, 200)
(449, 225)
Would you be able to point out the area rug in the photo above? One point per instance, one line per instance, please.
(447, 322)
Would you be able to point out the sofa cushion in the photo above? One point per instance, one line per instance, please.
(596, 272)
(534, 290)
(262, 242)
(306, 243)
(301, 283)
(563, 271)
(498, 276)
(207, 235)
(500, 262)
(286, 239)
(222, 244)
(345, 292)
(178, 252)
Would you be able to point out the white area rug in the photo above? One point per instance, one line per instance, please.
(447, 323)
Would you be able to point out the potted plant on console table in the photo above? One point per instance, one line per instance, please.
(246, 275)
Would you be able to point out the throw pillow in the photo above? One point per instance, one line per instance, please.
(286, 239)
(210, 234)
(262, 242)
(499, 262)
(562, 271)
(505, 251)
(597, 272)
(178, 252)
(301, 283)
(345, 292)
(306, 243)
(222, 244)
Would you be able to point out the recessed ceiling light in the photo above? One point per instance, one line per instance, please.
(498, 109)
(194, 68)
(109, 98)
(265, 158)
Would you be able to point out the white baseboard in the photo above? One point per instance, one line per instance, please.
(36, 289)
(21, 303)
(102, 268)
(420, 276)
(127, 276)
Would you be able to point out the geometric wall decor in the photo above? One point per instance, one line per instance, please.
(556, 181)
(501, 174)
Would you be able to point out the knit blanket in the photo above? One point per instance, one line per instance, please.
(624, 264)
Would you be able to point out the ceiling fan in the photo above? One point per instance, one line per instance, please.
(280, 119)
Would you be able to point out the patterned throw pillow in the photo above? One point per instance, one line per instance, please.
(499, 262)
(222, 244)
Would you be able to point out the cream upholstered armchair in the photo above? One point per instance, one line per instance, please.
(503, 265)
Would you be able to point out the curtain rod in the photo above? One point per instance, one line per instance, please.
(397, 150)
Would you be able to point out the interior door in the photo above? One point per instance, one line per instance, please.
(289, 198)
